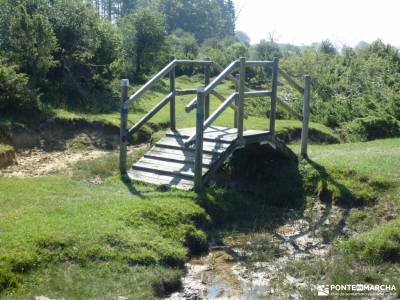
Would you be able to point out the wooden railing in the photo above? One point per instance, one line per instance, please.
(202, 103)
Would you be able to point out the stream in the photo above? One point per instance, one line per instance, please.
(253, 265)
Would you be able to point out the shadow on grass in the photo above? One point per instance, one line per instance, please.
(130, 186)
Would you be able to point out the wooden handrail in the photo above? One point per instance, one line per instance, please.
(152, 81)
(283, 103)
(217, 80)
(210, 88)
(151, 113)
(207, 123)
(267, 63)
(291, 81)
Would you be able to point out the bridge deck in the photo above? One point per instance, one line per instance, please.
(169, 162)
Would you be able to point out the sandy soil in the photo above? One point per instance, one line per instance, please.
(37, 162)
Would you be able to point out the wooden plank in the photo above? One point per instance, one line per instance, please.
(222, 99)
(194, 62)
(158, 179)
(211, 131)
(185, 92)
(166, 167)
(123, 126)
(242, 79)
(151, 113)
(306, 115)
(292, 82)
(180, 167)
(257, 94)
(263, 63)
(282, 102)
(217, 80)
(179, 152)
(177, 156)
(152, 81)
(274, 94)
(207, 123)
(214, 147)
(172, 110)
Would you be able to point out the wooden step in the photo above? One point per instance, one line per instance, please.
(161, 179)
(177, 155)
(169, 162)
(166, 167)
(208, 147)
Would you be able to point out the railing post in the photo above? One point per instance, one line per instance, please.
(236, 112)
(123, 126)
(207, 76)
(274, 95)
(306, 115)
(172, 110)
(241, 98)
(198, 162)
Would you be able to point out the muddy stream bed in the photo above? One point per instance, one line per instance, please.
(253, 265)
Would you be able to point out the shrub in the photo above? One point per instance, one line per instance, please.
(15, 95)
(370, 128)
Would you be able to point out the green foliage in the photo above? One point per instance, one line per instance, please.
(16, 97)
(143, 33)
(370, 128)
(31, 44)
(356, 83)
(87, 50)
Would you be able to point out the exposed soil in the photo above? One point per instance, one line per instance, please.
(37, 162)
(53, 146)
(235, 270)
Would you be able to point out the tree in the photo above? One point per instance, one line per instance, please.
(32, 43)
(143, 40)
(327, 47)
(242, 37)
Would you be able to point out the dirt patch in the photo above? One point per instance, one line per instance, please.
(37, 162)
(53, 146)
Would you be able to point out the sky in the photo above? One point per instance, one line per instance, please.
(302, 22)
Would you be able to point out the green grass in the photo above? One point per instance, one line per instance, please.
(377, 245)
(56, 228)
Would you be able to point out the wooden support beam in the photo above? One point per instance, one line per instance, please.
(185, 92)
(222, 99)
(198, 163)
(306, 115)
(274, 94)
(207, 75)
(123, 126)
(150, 114)
(219, 110)
(236, 113)
(265, 63)
(282, 102)
(257, 94)
(242, 79)
(217, 80)
(152, 81)
(292, 82)
(193, 62)
(172, 109)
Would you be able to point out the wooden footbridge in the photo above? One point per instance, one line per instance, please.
(186, 158)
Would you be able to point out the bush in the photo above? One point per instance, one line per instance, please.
(370, 128)
(15, 95)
